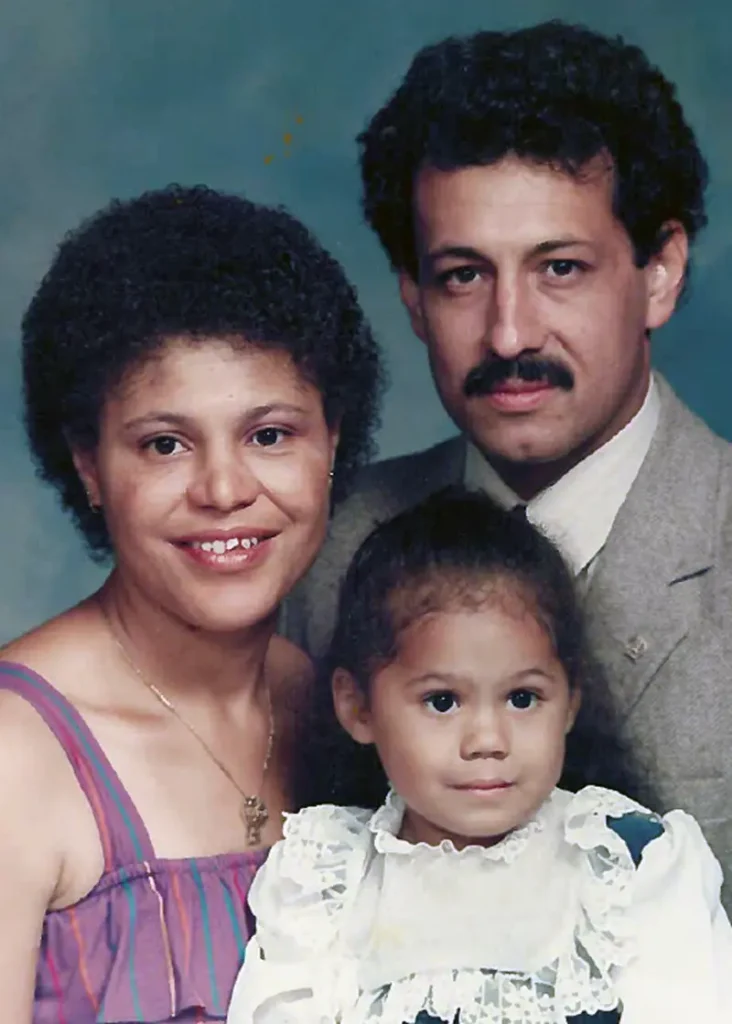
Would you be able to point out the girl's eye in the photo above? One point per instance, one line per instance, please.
(522, 700)
(267, 437)
(442, 702)
(163, 445)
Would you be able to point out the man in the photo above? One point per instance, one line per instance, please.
(536, 193)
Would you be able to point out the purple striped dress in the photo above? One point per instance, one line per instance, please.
(155, 940)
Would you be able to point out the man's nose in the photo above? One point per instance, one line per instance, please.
(511, 329)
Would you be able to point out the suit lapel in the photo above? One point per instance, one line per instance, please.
(663, 537)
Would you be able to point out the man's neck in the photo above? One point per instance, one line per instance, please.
(528, 479)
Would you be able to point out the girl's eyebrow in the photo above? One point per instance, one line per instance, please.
(444, 678)
(536, 670)
(453, 678)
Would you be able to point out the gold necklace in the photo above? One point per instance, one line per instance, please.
(253, 811)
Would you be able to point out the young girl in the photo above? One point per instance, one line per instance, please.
(481, 891)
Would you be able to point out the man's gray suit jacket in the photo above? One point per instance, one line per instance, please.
(659, 603)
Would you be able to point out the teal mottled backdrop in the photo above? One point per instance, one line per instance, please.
(101, 99)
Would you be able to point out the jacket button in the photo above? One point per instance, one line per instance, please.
(636, 647)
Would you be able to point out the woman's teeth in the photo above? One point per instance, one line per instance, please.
(220, 547)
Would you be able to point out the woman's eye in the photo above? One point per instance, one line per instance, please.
(266, 437)
(522, 700)
(441, 702)
(163, 445)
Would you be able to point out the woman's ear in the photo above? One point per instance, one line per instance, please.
(351, 707)
(86, 466)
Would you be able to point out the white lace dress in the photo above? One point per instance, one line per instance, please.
(560, 919)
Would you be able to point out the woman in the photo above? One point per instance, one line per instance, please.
(198, 377)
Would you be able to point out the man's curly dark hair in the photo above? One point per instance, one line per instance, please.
(193, 263)
(555, 94)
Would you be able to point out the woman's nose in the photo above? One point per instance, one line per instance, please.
(224, 481)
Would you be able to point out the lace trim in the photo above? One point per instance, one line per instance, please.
(579, 981)
(322, 859)
(387, 821)
(326, 864)
(480, 997)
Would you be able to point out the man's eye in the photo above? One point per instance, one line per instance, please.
(459, 276)
(266, 437)
(562, 268)
(441, 702)
(522, 700)
(163, 445)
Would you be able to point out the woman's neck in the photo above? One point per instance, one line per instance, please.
(181, 661)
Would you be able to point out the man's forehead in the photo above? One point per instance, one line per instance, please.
(515, 200)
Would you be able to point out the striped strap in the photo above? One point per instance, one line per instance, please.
(123, 835)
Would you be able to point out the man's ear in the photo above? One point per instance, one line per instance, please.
(351, 707)
(86, 466)
(665, 274)
(410, 295)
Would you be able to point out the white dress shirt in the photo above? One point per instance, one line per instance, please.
(578, 511)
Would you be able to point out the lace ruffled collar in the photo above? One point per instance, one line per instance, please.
(328, 850)
(387, 821)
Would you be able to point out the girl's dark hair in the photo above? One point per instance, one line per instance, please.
(458, 549)
(197, 264)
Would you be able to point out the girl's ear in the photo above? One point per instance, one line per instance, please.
(575, 700)
(351, 707)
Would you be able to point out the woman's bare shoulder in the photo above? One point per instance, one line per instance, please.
(59, 834)
(34, 774)
(26, 742)
(57, 647)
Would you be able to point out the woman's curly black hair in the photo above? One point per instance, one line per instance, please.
(458, 549)
(194, 263)
(554, 93)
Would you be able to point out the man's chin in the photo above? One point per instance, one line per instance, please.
(529, 466)
(500, 452)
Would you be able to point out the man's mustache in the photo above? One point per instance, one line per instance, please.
(491, 372)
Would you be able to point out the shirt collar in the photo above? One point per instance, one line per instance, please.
(578, 511)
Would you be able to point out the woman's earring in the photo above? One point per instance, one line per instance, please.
(92, 507)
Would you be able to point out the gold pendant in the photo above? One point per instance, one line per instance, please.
(255, 816)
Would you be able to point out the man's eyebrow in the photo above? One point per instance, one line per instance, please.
(468, 252)
(552, 244)
(462, 252)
